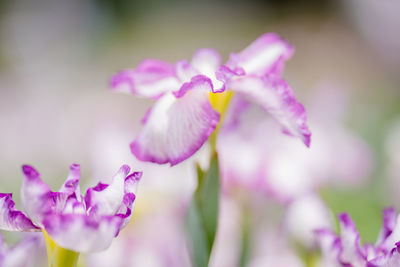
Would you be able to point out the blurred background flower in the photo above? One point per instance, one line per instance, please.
(55, 108)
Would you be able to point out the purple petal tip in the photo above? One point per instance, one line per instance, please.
(125, 169)
(135, 176)
(75, 166)
(346, 220)
(29, 171)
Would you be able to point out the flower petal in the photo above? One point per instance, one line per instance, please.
(152, 78)
(266, 53)
(330, 244)
(105, 199)
(391, 259)
(389, 223)
(275, 96)
(126, 209)
(184, 71)
(82, 233)
(71, 185)
(389, 242)
(178, 125)
(351, 253)
(35, 195)
(206, 61)
(12, 219)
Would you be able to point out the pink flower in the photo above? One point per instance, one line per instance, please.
(346, 250)
(183, 117)
(79, 223)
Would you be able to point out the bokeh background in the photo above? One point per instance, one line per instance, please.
(56, 58)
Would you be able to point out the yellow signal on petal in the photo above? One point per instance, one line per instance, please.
(220, 101)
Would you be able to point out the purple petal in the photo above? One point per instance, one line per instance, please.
(82, 233)
(178, 125)
(350, 238)
(206, 61)
(37, 198)
(198, 82)
(330, 243)
(106, 199)
(184, 71)
(12, 219)
(389, 223)
(266, 54)
(126, 209)
(389, 242)
(391, 259)
(371, 251)
(226, 75)
(152, 78)
(71, 185)
(237, 106)
(35, 195)
(275, 96)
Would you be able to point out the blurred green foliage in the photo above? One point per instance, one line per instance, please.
(201, 221)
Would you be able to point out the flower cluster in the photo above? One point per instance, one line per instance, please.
(346, 250)
(192, 97)
(79, 223)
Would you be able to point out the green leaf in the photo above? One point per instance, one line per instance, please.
(202, 217)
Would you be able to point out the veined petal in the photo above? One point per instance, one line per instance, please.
(126, 209)
(131, 182)
(391, 259)
(389, 224)
(330, 244)
(351, 253)
(152, 78)
(206, 61)
(35, 195)
(178, 124)
(71, 185)
(388, 243)
(12, 219)
(263, 55)
(106, 199)
(82, 233)
(226, 74)
(184, 71)
(275, 96)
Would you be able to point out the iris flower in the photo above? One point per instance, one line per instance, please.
(191, 98)
(346, 250)
(69, 220)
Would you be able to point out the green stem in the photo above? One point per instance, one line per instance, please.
(58, 256)
(245, 245)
